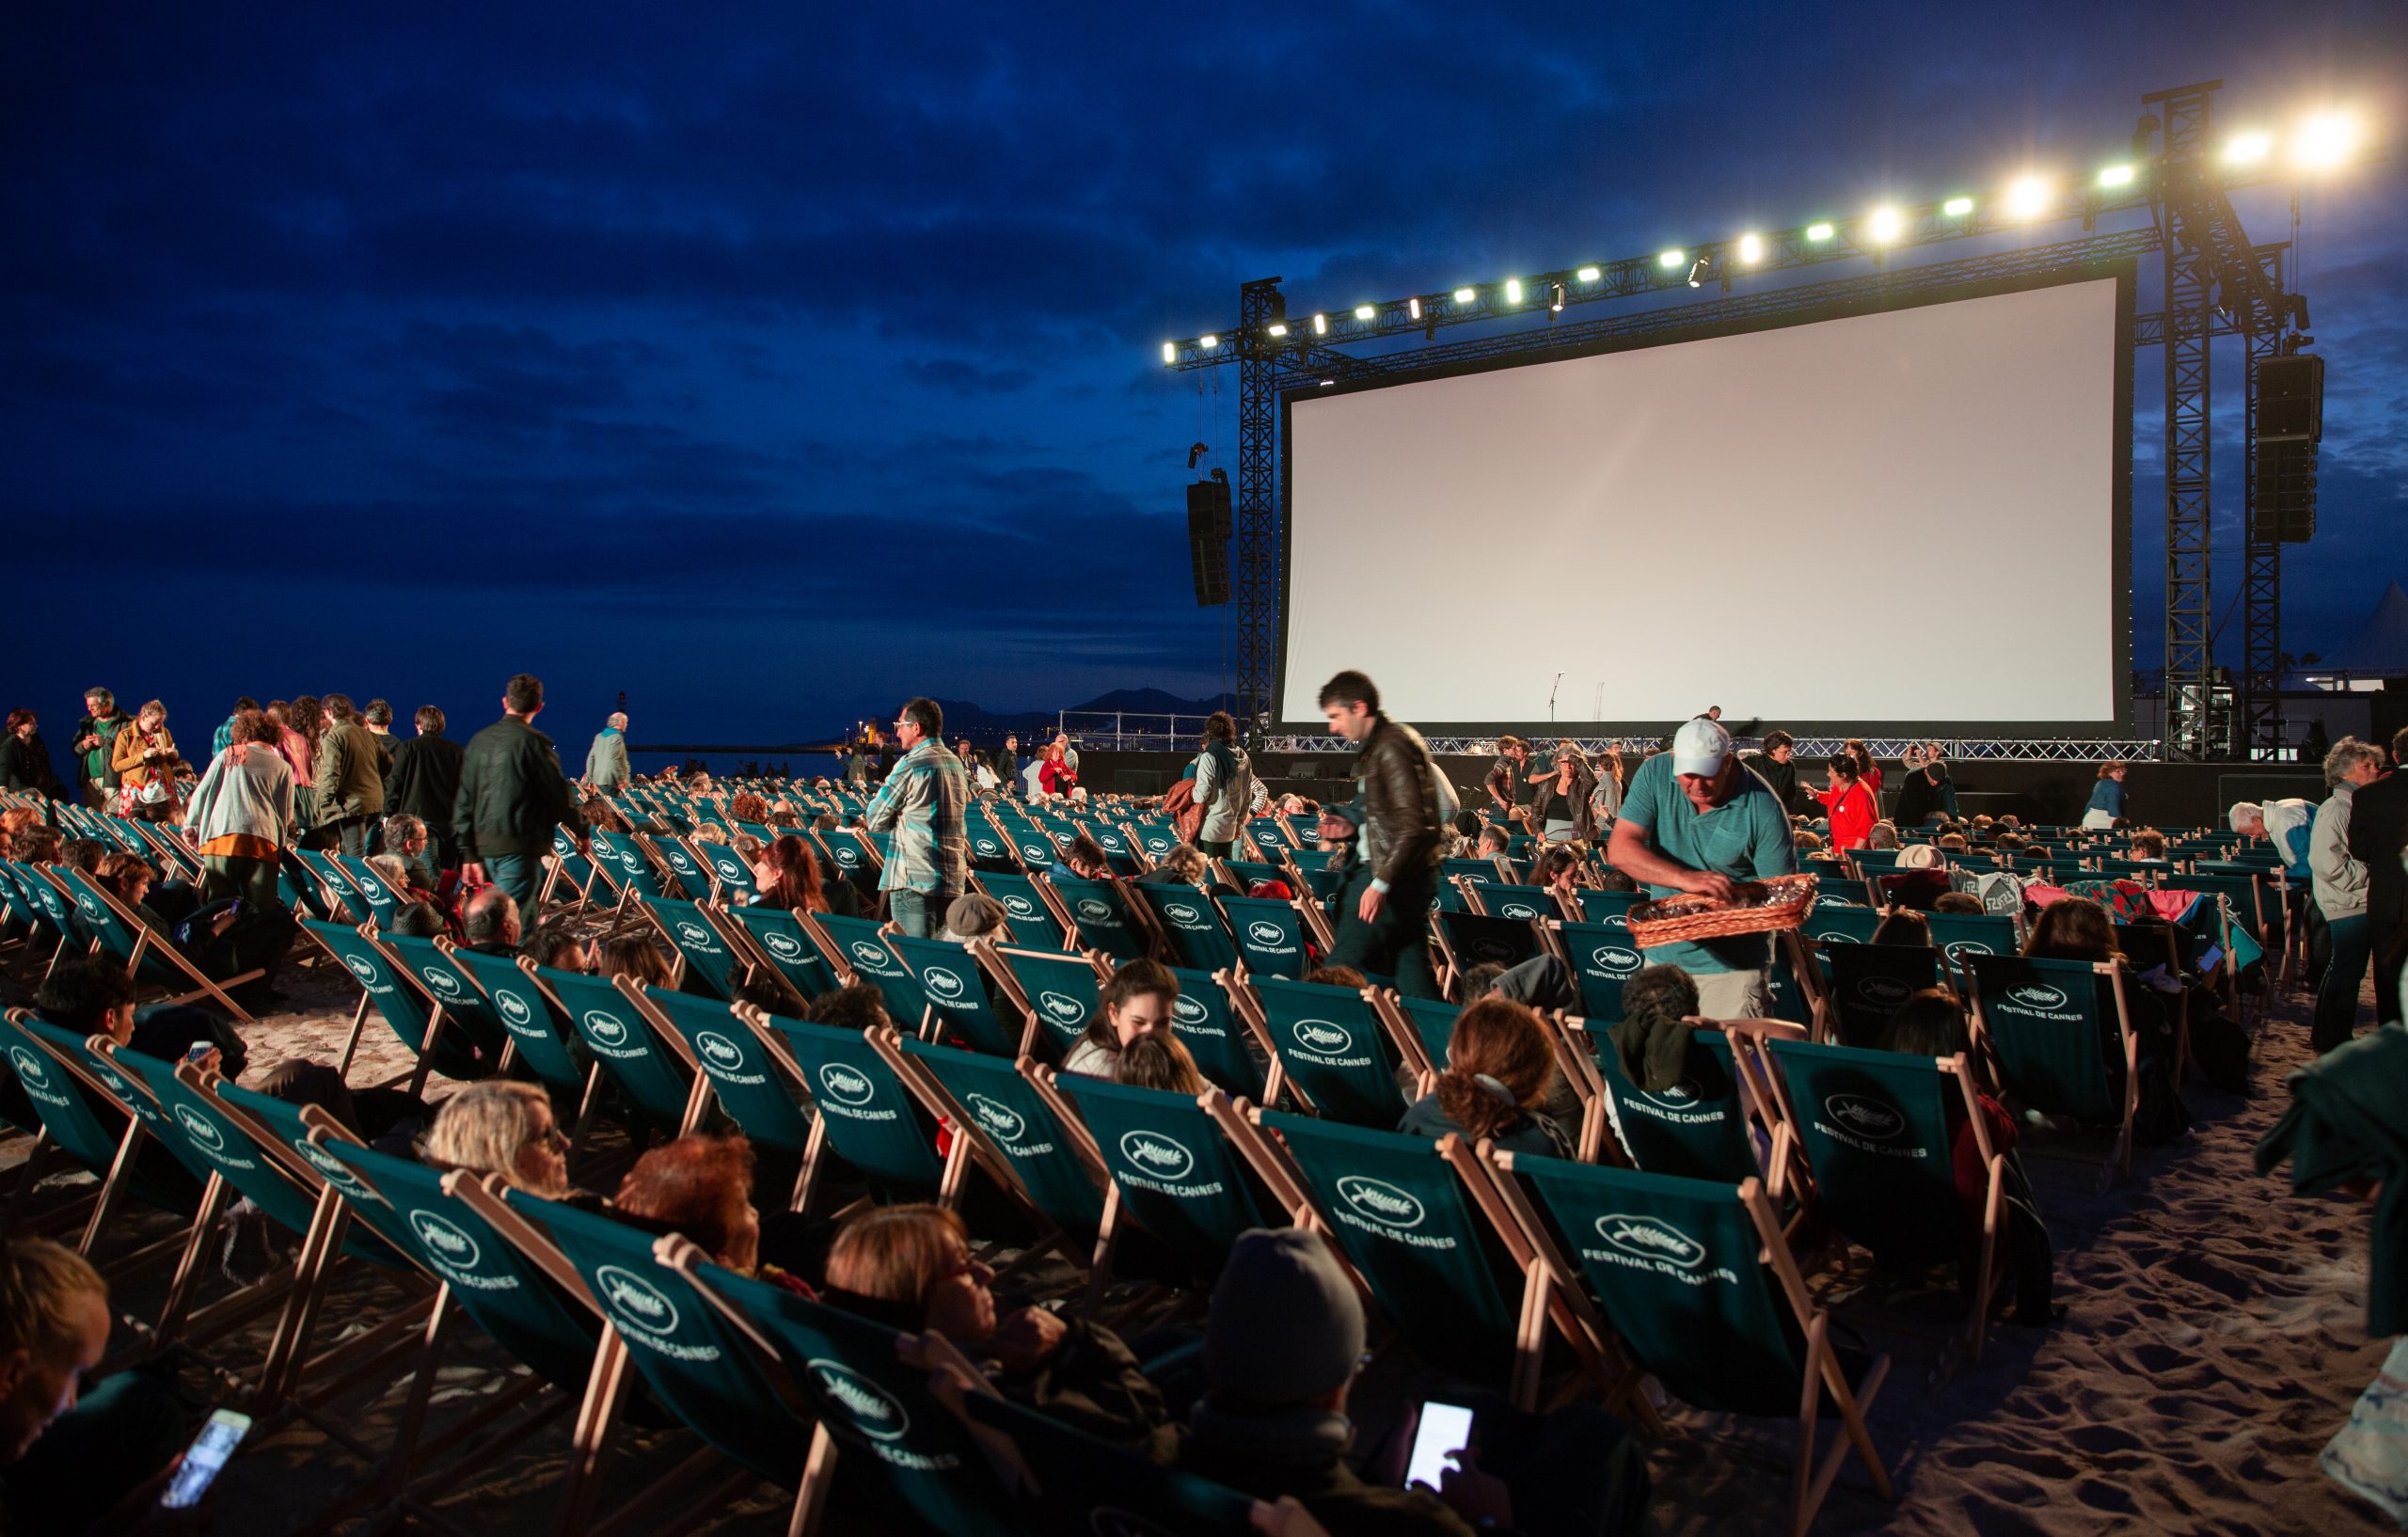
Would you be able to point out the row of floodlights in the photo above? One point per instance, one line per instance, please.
(2322, 141)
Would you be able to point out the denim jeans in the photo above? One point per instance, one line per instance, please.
(522, 877)
(913, 910)
(2336, 998)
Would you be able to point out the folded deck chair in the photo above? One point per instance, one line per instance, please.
(1870, 982)
(1876, 1129)
(2061, 1034)
(953, 980)
(652, 1070)
(706, 962)
(1026, 913)
(1333, 1046)
(1192, 926)
(149, 958)
(860, 943)
(1697, 1283)
(1100, 911)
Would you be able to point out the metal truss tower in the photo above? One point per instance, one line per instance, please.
(1257, 575)
(2186, 119)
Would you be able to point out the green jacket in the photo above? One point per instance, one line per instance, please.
(349, 773)
(512, 792)
(96, 762)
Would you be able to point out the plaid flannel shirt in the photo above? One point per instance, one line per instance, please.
(923, 803)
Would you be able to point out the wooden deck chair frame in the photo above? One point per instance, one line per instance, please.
(173, 851)
(747, 953)
(148, 942)
(1812, 1479)
(1246, 1006)
(1765, 1082)
(698, 1098)
(2119, 1158)
(415, 1077)
(1405, 1039)
(108, 1199)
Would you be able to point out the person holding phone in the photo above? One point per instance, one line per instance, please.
(95, 1459)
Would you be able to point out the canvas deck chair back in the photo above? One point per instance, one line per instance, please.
(1697, 1127)
(464, 1004)
(1062, 991)
(1604, 961)
(864, 1113)
(120, 935)
(1247, 872)
(1840, 924)
(1086, 1485)
(1031, 922)
(1176, 1171)
(1269, 836)
(1673, 1263)
(496, 1284)
(699, 1366)
(864, 947)
(399, 1003)
(735, 876)
(787, 948)
(1610, 909)
(135, 1096)
(652, 1072)
(1480, 872)
(49, 910)
(538, 1028)
(635, 873)
(1525, 903)
(956, 987)
(211, 1140)
(1207, 1024)
(335, 890)
(90, 1134)
(2055, 1030)
(1156, 838)
(743, 1072)
(903, 1449)
(1874, 1129)
(1959, 935)
(579, 871)
(709, 963)
(1029, 841)
(1433, 1021)
(1270, 936)
(1404, 1219)
(690, 874)
(1869, 983)
(1098, 912)
(383, 901)
(1192, 925)
(1473, 939)
(857, 858)
(378, 1239)
(988, 847)
(1335, 1049)
(1015, 1118)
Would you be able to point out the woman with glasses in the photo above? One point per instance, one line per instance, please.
(909, 1267)
(504, 1128)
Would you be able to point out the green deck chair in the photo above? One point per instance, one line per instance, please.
(1404, 1219)
(1610, 909)
(1269, 935)
(1675, 1266)
(2060, 1033)
(94, 1127)
(1603, 962)
(1874, 1129)
(1840, 923)
(1434, 1021)
(1471, 938)
(636, 874)
(1176, 1171)
(1032, 923)
(1020, 1124)
(865, 1114)
(780, 939)
(1191, 925)
(400, 1001)
(955, 985)
(538, 1028)
(148, 958)
(1525, 904)
(1062, 991)
(383, 901)
(1098, 911)
(445, 982)
(745, 1073)
(1086, 1485)
(1334, 1050)
(582, 873)
(649, 1069)
(1207, 1024)
(688, 874)
(862, 944)
(1963, 934)
(1869, 983)
(735, 876)
(710, 965)
(1697, 1129)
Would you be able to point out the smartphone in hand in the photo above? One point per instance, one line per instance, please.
(205, 1458)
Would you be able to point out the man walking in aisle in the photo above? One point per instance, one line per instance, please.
(350, 777)
(605, 762)
(923, 803)
(425, 782)
(512, 796)
(1384, 928)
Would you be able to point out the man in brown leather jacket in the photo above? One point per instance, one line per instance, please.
(1383, 926)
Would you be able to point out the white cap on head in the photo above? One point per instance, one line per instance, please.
(1701, 747)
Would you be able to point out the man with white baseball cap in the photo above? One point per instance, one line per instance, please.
(1694, 820)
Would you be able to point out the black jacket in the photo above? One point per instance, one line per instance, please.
(1782, 780)
(1399, 800)
(512, 792)
(424, 781)
(25, 765)
(2378, 831)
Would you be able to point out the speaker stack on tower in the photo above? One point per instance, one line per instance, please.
(1208, 538)
(2290, 422)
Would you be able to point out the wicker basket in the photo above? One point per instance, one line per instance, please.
(1782, 902)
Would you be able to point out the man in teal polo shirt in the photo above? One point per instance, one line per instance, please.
(1696, 821)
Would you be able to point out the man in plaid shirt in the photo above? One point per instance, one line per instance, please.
(922, 803)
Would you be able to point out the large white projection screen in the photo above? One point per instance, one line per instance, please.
(1889, 519)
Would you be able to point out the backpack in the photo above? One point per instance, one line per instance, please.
(1186, 816)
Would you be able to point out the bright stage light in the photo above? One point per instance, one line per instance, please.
(2028, 198)
(1556, 308)
(1278, 327)
(1364, 311)
(1320, 325)
(1751, 248)
(1170, 352)
(1463, 295)
(1818, 231)
(1413, 306)
(2325, 139)
(1513, 290)
(2116, 176)
(1957, 207)
(1208, 343)
(1671, 259)
(2247, 148)
(1885, 225)
(1588, 274)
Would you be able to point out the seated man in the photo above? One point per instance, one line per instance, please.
(223, 940)
(490, 923)
(71, 1461)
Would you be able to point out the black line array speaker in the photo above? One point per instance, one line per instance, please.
(2291, 398)
(2284, 497)
(1208, 539)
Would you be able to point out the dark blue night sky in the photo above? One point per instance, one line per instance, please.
(771, 363)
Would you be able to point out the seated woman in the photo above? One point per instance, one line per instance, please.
(635, 956)
(1904, 925)
(2078, 928)
(503, 1127)
(1562, 872)
(1158, 1061)
(787, 875)
(1137, 1001)
(1931, 1022)
(910, 1268)
(1498, 1068)
(701, 1187)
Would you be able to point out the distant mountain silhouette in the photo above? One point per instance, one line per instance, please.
(1156, 702)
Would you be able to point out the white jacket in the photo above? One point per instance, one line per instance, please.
(2340, 881)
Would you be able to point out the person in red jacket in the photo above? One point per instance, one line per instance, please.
(1849, 803)
(1055, 776)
